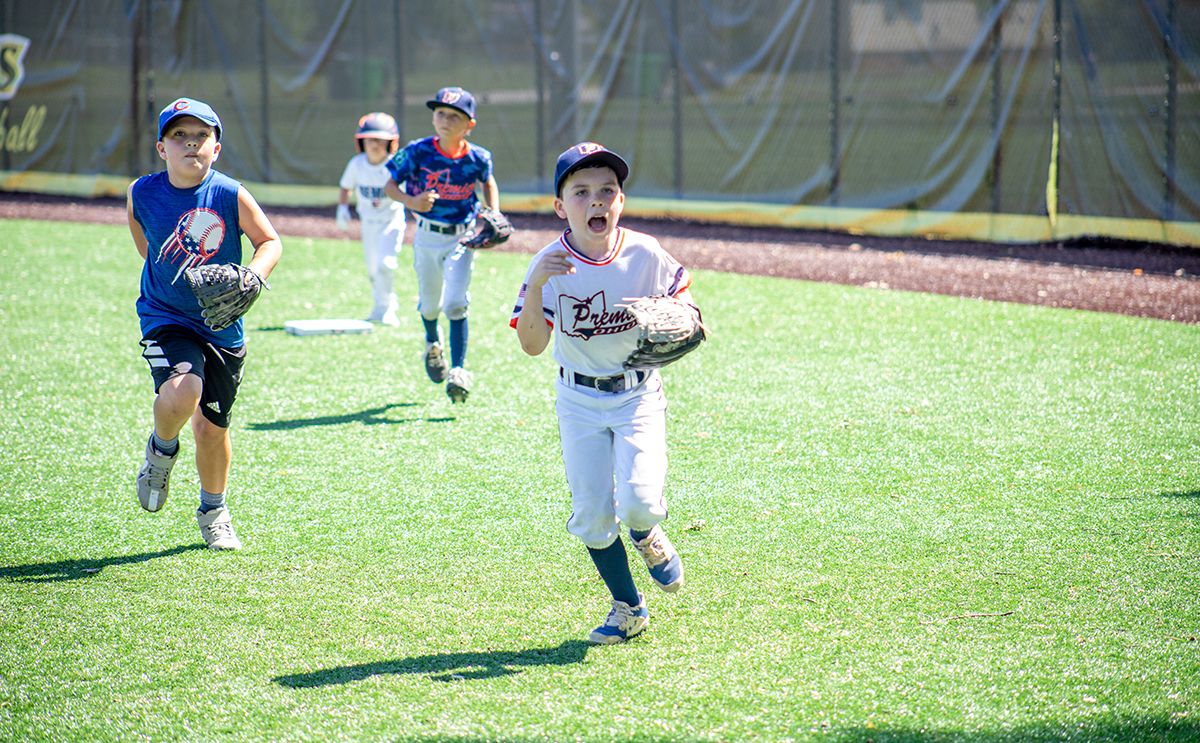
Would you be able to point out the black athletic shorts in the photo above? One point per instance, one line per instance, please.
(172, 350)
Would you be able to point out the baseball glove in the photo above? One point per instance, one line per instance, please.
(225, 292)
(491, 229)
(668, 329)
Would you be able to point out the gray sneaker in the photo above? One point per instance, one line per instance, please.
(459, 386)
(154, 478)
(435, 363)
(216, 527)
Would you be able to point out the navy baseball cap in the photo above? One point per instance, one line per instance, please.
(583, 155)
(189, 107)
(454, 98)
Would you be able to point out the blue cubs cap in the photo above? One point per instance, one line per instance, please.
(454, 98)
(583, 155)
(189, 107)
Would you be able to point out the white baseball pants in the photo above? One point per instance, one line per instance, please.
(615, 450)
(444, 270)
(381, 243)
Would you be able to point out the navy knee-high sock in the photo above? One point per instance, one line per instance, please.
(431, 331)
(613, 565)
(458, 342)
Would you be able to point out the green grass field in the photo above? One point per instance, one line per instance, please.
(903, 518)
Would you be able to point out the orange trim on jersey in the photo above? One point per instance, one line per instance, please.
(513, 322)
(609, 258)
(466, 147)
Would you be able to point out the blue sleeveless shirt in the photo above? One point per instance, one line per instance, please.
(184, 228)
(422, 165)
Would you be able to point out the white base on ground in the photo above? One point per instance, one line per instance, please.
(327, 327)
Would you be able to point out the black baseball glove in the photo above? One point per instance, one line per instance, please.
(225, 291)
(491, 229)
(668, 329)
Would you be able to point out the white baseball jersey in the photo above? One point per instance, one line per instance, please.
(367, 181)
(592, 335)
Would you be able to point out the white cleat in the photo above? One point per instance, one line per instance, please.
(459, 386)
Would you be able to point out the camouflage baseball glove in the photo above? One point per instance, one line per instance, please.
(225, 292)
(491, 229)
(668, 329)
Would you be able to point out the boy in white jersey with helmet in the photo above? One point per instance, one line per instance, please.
(612, 421)
(382, 218)
(436, 179)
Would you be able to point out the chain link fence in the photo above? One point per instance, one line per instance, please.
(1087, 107)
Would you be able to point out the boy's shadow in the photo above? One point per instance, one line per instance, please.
(445, 667)
(50, 572)
(369, 417)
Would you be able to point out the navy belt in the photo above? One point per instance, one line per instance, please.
(603, 384)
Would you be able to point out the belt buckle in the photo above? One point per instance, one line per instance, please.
(611, 385)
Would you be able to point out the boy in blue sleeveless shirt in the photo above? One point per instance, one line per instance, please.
(189, 215)
(436, 178)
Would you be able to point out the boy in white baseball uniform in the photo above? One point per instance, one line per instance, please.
(366, 174)
(612, 422)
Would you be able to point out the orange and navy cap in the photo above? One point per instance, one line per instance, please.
(189, 107)
(582, 155)
(454, 98)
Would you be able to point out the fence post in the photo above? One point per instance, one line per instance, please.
(835, 160)
(264, 90)
(135, 91)
(4, 156)
(677, 102)
(539, 78)
(565, 91)
(997, 106)
(398, 19)
(1171, 104)
(1056, 123)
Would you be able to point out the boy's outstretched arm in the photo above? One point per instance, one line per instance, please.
(491, 193)
(532, 329)
(260, 232)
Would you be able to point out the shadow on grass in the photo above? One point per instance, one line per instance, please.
(1190, 497)
(445, 667)
(49, 572)
(370, 417)
(1193, 495)
(1078, 731)
(1074, 731)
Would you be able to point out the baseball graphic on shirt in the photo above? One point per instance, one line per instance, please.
(197, 237)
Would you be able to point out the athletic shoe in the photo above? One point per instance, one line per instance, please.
(623, 622)
(435, 363)
(154, 478)
(460, 384)
(216, 527)
(385, 314)
(662, 559)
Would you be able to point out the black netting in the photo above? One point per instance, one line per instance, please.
(944, 105)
